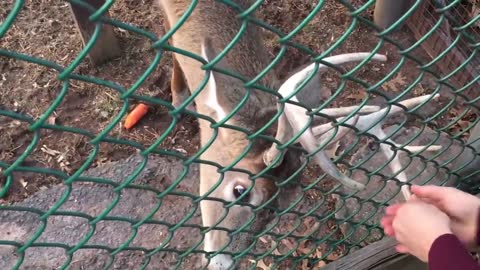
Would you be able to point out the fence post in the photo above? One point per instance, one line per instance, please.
(387, 12)
(106, 47)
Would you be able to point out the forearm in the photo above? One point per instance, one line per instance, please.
(448, 253)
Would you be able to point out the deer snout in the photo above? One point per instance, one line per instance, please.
(221, 262)
(214, 240)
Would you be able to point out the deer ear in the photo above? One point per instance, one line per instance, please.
(211, 96)
(208, 51)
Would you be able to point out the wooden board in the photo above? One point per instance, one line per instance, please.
(377, 256)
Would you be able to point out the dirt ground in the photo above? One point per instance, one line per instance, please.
(45, 29)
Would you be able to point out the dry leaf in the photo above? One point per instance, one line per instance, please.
(261, 264)
(49, 151)
(463, 124)
(357, 95)
(263, 240)
(15, 124)
(181, 150)
(288, 243)
(460, 126)
(320, 264)
(318, 254)
(51, 120)
(304, 264)
(277, 252)
(309, 222)
(475, 12)
(303, 248)
(396, 83)
(325, 93)
(333, 256)
(23, 182)
(274, 245)
(60, 158)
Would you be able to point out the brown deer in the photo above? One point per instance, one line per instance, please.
(206, 32)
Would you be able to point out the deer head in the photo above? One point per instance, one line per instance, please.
(237, 202)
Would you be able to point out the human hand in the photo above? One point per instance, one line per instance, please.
(461, 207)
(415, 225)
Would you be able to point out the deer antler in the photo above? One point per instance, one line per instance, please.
(364, 124)
(294, 119)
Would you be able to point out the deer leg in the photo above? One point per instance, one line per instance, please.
(179, 88)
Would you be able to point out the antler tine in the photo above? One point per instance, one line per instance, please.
(380, 116)
(364, 124)
(416, 149)
(308, 141)
(322, 129)
(408, 103)
(342, 131)
(344, 111)
(296, 119)
(286, 133)
(396, 166)
(412, 102)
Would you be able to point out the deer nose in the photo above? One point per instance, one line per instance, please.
(221, 262)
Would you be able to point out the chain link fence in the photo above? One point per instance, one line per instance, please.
(433, 138)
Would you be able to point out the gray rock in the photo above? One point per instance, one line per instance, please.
(94, 199)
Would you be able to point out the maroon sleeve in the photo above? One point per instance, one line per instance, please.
(448, 253)
(478, 228)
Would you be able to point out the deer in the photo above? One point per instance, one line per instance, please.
(235, 191)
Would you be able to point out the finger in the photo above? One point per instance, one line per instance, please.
(431, 192)
(433, 195)
(401, 249)
(389, 231)
(428, 200)
(386, 221)
(393, 209)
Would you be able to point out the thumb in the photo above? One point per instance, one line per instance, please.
(431, 193)
(402, 248)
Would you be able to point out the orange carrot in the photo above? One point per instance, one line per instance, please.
(135, 115)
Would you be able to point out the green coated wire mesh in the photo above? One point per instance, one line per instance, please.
(71, 199)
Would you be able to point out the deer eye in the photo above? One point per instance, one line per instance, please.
(238, 190)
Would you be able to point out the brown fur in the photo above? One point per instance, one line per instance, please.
(216, 25)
